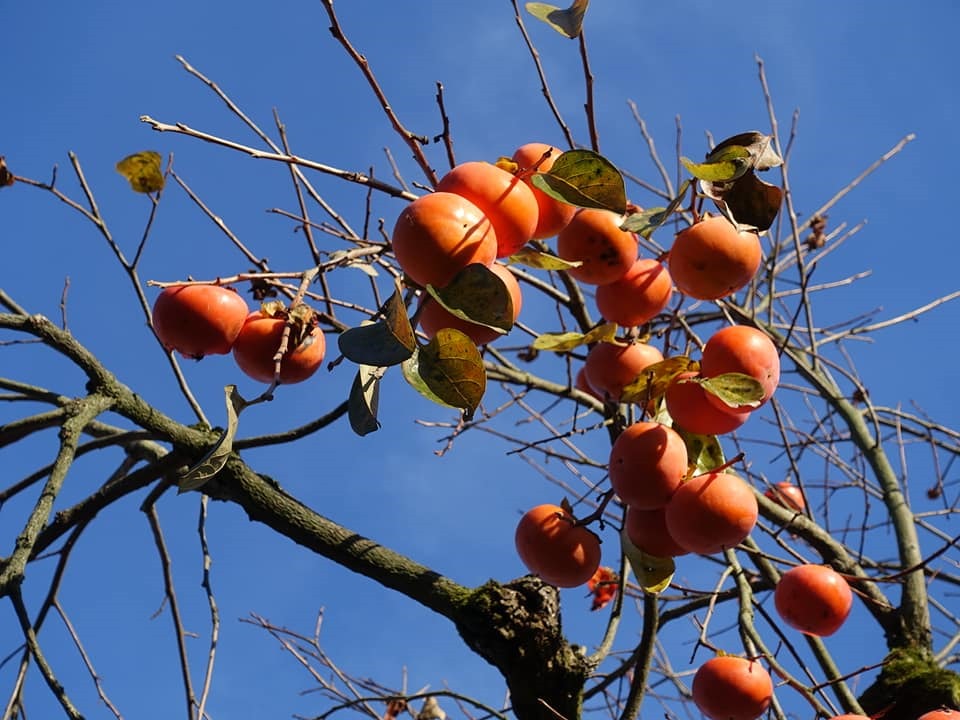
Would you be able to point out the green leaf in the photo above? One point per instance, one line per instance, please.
(653, 574)
(451, 369)
(728, 177)
(586, 179)
(143, 171)
(541, 260)
(758, 145)
(562, 342)
(411, 373)
(646, 222)
(365, 400)
(724, 166)
(652, 383)
(735, 389)
(478, 295)
(388, 341)
(217, 456)
(566, 22)
(703, 451)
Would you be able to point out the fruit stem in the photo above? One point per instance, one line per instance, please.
(598, 513)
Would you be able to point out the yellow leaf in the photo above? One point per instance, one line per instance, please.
(567, 22)
(143, 171)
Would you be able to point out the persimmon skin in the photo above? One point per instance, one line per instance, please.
(814, 599)
(690, 408)
(732, 688)
(258, 342)
(199, 320)
(787, 494)
(439, 234)
(434, 316)
(553, 547)
(506, 200)
(610, 368)
(941, 714)
(711, 512)
(648, 461)
(647, 530)
(639, 296)
(594, 238)
(581, 383)
(553, 215)
(710, 259)
(742, 349)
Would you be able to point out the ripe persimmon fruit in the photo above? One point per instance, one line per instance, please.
(594, 238)
(648, 461)
(941, 714)
(814, 599)
(439, 234)
(505, 199)
(198, 320)
(647, 529)
(787, 494)
(610, 368)
(434, 316)
(554, 547)
(639, 296)
(711, 512)
(553, 215)
(581, 383)
(742, 349)
(728, 687)
(711, 259)
(258, 342)
(690, 407)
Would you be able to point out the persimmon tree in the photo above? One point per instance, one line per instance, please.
(843, 452)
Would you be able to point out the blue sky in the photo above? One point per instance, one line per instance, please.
(77, 77)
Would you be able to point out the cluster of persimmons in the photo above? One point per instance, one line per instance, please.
(483, 213)
(202, 319)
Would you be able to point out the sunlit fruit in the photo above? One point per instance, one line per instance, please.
(610, 368)
(259, 341)
(639, 296)
(198, 320)
(741, 349)
(554, 547)
(648, 461)
(647, 529)
(787, 494)
(710, 259)
(690, 408)
(581, 383)
(505, 199)
(603, 587)
(434, 316)
(728, 687)
(712, 512)
(553, 215)
(814, 599)
(941, 714)
(439, 234)
(594, 238)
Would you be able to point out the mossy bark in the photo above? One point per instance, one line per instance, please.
(516, 628)
(910, 684)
